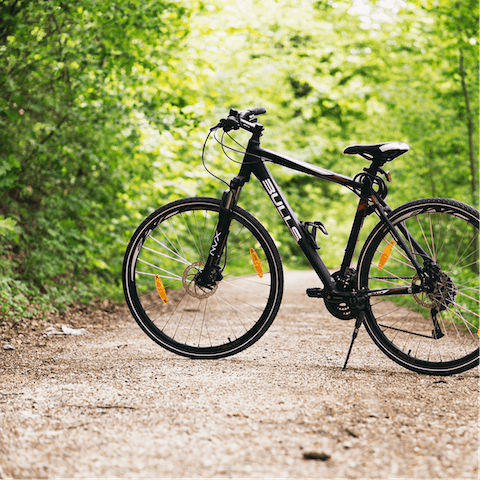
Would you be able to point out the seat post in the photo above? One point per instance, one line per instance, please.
(375, 166)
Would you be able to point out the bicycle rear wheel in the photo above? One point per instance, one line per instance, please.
(433, 333)
(166, 252)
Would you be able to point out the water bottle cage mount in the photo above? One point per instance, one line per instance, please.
(311, 229)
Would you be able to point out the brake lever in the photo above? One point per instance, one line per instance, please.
(234, 119)
(227, 124)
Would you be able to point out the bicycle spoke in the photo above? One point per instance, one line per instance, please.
(180, 260)
(431, 236)
(161, 276)
(251, 292)
(171, 243)
(192, 237)
(177, 257)
(230, 325)
(424, 237)
(160, 269)
(200, 242)
(238, 300)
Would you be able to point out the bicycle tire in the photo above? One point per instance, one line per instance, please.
(173, 243)
(403, 327)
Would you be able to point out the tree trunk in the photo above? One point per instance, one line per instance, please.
(471, 150)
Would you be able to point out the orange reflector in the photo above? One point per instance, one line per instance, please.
(385, 254)
(256, 262)
(160, 288)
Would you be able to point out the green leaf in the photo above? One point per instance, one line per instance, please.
(7, 226)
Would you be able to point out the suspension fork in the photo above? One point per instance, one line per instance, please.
(212, 272)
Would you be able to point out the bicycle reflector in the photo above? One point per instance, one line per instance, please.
(160, 288)
(385, 254)
(257, 264)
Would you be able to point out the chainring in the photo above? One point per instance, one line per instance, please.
(342, 307)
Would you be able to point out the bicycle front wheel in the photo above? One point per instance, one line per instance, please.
(166, 252)
(436, 332)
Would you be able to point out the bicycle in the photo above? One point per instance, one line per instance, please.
(204, 279)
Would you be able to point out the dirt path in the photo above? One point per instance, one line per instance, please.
(114, 404)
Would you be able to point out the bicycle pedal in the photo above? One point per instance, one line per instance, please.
(315, 292)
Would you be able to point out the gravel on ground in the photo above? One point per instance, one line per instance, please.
(112, 403)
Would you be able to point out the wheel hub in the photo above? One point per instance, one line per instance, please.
(443, 292)
(190, 285)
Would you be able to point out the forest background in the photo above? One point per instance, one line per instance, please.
(105, 105)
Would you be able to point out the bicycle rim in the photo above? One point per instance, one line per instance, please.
(436, 332)
(166, 253)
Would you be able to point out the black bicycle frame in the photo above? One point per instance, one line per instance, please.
(254, 162)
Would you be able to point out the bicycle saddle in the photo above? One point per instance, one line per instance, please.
(385, 151)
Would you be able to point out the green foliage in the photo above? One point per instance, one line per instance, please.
(78, 84)
(104, 107)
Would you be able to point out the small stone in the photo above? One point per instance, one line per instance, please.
(351, 433)
(320, 456)
(8, 347)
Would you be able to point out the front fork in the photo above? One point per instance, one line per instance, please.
(212, 271)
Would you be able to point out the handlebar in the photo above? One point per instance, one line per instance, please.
(252, 112)
(245, 119)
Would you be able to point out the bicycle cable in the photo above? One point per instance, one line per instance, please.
(205, 164)
(224, 148)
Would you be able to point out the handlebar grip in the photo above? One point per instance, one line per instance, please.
(251, 112)
(257, 110)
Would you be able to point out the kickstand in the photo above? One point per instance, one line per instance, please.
(358, 324)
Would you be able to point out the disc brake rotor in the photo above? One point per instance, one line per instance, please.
(191, 287)
(443, 294)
